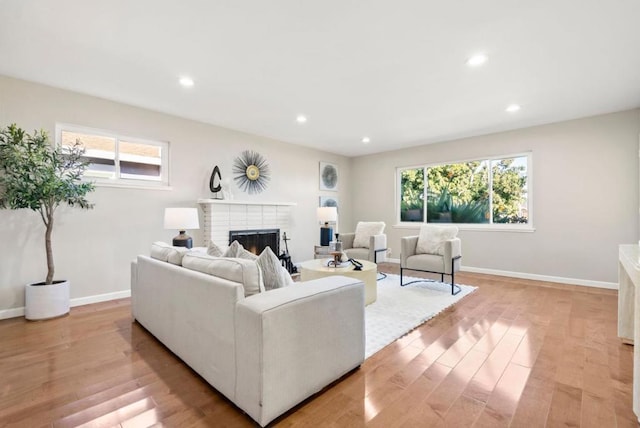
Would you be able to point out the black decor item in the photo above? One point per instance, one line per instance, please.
(251, 172)
(216, 173)
(212, 181)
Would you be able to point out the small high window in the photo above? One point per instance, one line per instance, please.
(117, 159)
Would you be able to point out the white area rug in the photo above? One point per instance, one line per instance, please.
(399, 310)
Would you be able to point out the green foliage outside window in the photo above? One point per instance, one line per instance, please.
(509, 192)
(412, 200)
(460, 192)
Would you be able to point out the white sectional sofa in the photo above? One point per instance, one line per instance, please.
(266, 352)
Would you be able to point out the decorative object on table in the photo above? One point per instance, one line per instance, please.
(336, 245)
(216, 188)
(40, 176)
(181, 219)
(328, 201)
(285, 257)
(356, 264)
(328, 176)
(251, 172)
(327, 215)
(226, 189)
(340, 259)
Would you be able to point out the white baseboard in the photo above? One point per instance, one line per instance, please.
(81, 301)
(548, 278)
(78, 301)
(535, 277)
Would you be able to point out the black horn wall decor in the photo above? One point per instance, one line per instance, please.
(215, 175)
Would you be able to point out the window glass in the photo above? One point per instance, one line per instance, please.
(140, 161)
(98, 149)
(412, 190)
(509, 178)
(458, 193)
(119, 160)
(484, 191)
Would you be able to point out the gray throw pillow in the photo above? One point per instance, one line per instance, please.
(274, 275)
(237, 250)
(214, 250)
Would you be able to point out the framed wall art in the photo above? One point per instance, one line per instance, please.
(328, 201)
(328, 176)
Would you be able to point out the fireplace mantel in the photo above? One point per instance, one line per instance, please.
(234, 202)
(223, 215)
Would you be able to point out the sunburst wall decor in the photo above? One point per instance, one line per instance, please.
(251, 172)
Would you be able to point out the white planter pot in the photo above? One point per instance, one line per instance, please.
(46, 301)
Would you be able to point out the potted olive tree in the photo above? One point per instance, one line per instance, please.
(37, 175)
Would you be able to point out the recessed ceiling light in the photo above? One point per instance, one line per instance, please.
(186, 81)
(366, 140)
(477, 60)
(301, 118)
(512, 108)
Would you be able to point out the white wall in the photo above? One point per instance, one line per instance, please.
(585, 196)
(585, 192)
(93, 248)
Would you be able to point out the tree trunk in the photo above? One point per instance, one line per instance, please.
(47, 243)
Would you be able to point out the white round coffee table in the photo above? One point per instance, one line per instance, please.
(314, 269)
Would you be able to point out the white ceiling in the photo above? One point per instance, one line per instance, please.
(391, 70)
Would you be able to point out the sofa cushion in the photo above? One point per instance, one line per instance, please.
(234, 269)
(431, 239)
(274, 275)
(168, 253)
(237, 250)
(365, 230)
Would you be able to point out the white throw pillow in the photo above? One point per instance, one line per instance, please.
(237, 250)
(273, 273)
(167, 253)
(365, 230)
(244, 271)
(432, 238)
(214, 250)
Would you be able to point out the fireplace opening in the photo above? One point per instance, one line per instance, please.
(257, 240)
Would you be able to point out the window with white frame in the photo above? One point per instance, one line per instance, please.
(477, 192)
(118, 159)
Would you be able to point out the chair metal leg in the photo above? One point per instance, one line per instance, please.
(455, 289)
(381, 275)
(453, 273)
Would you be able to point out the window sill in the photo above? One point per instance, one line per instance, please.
(131, 186)
(474, 227)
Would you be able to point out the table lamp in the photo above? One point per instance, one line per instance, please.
(181, 219)
(326, 215)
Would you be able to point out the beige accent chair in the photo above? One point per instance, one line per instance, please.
(372, 248)
(445, 260)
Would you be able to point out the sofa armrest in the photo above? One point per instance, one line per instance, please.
(377, 243)
(452, 249)
(292, 342)
(407, 248)
(347, 240)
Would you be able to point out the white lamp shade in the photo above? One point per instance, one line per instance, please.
(181, 218)
(327, 214)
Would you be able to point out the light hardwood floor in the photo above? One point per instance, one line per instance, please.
(514, 353)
